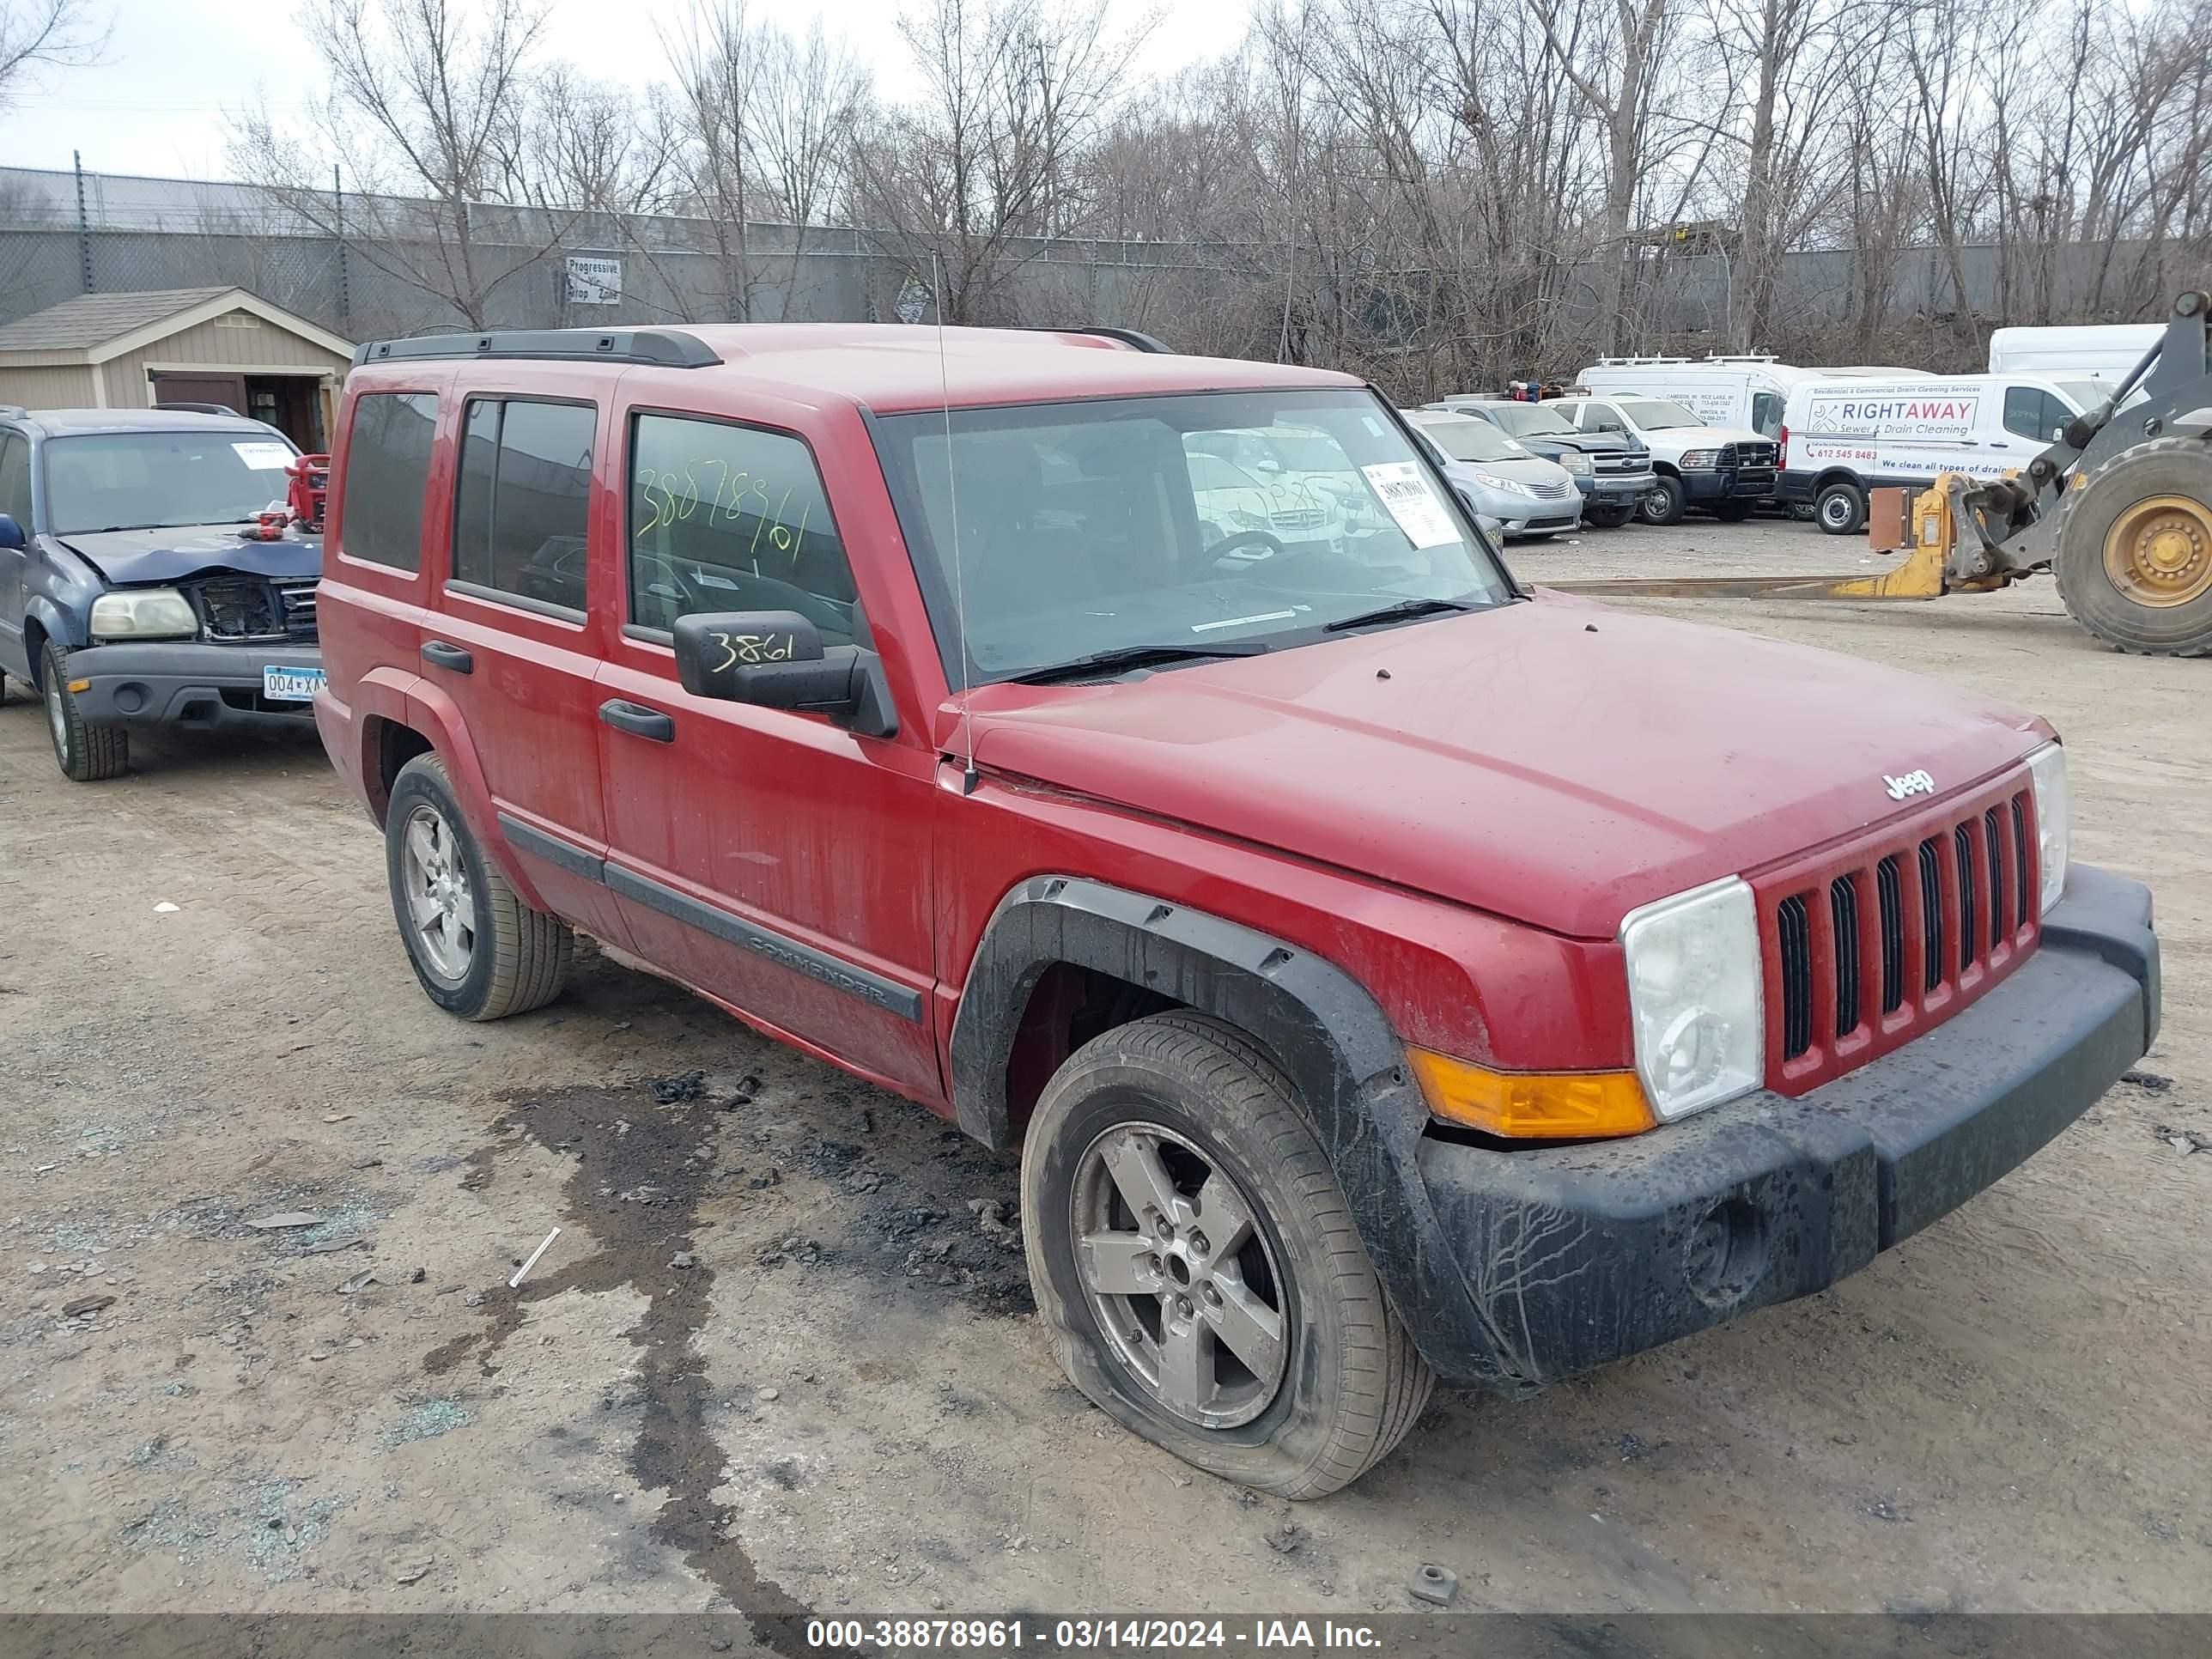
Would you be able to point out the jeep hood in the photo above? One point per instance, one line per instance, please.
(174, 553)
(1552, 762)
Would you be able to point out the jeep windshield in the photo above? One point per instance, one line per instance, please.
(162, 480)
(1119, 529)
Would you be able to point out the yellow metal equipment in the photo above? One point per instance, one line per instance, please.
(2124, 497)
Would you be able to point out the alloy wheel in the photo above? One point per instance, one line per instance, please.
(440, 906)
(1179, 1276)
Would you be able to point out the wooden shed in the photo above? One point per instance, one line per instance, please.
(179, 345)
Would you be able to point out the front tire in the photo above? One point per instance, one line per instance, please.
(479, 951)
(1840, 509)
(1667, 502)
(1734, 512)
(86, 753)
(1607, 518)
(1197, 1270)
(2134, 550)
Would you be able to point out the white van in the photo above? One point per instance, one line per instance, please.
(1841, 438)
(2103, 352)
(1745, 391)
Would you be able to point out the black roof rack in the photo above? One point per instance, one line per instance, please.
(1127, 337)
(665, 348)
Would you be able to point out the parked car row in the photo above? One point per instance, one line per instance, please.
(1385, 973)
(1732, 434)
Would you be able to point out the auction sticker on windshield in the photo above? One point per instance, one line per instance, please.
(290, 684)
(264, 457)
(1400, 487)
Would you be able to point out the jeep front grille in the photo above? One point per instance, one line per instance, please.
(1871, 945)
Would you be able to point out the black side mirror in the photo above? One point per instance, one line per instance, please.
(11, 533)
(775, 660)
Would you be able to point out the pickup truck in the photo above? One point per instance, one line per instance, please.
(1384, 972)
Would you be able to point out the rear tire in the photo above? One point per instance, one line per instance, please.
(479, 951)
(1667, 502)
(86, 753)
(1268, 1357)
(2134, 550)
(1840, 509)
(1607, 518)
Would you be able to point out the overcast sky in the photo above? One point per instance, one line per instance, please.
(157, 104)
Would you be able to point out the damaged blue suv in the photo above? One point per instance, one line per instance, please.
(149, 576)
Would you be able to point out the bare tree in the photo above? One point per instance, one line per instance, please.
(1785, 53)
(961, 184)
(1618, 55)
(765, 122)
(46, 34)
(424, 98)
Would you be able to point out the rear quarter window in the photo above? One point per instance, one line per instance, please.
(387, 471)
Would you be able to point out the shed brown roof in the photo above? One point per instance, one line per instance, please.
(92, 319)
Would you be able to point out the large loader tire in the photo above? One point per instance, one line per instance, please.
(2134, 550)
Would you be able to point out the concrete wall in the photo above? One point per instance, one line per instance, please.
(364, 293)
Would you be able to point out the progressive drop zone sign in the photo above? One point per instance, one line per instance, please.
(1919, 412)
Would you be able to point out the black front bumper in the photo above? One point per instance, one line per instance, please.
(1575, 1256)
(187, 682)
(1729, 484)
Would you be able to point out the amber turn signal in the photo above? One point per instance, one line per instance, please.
(1533, 1105)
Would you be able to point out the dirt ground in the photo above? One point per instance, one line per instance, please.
(777, 1359)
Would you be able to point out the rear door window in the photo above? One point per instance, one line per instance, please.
(388, 468)
(733, 518)
(523, 501)
(1766, 413)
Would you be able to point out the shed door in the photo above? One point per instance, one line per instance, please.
(227, 390)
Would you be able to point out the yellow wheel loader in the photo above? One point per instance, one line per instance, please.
(2119, 509)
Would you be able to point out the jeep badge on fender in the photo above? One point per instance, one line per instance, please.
(1912, 783)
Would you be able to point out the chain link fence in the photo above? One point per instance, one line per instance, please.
(370, 267)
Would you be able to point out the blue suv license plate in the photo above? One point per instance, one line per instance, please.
(290, 684)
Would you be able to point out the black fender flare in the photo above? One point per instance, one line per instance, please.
(1327, 1031)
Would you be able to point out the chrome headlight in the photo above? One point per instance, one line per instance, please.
(144, 613)
(1696, 461)
(1696, 997)
(1498, 481)
(1574, 461)
(2046, 769)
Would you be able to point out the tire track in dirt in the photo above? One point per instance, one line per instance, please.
(637, 1177)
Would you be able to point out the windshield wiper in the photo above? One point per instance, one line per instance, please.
(1136, 656)
(1403, 610)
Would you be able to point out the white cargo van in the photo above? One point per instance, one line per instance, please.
(2104, 352)
(1841, 438)
(1746, 391)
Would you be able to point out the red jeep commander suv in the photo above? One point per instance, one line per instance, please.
(1385, 972)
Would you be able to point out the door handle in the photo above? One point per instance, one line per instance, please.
(638, 720)
(439, 654)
